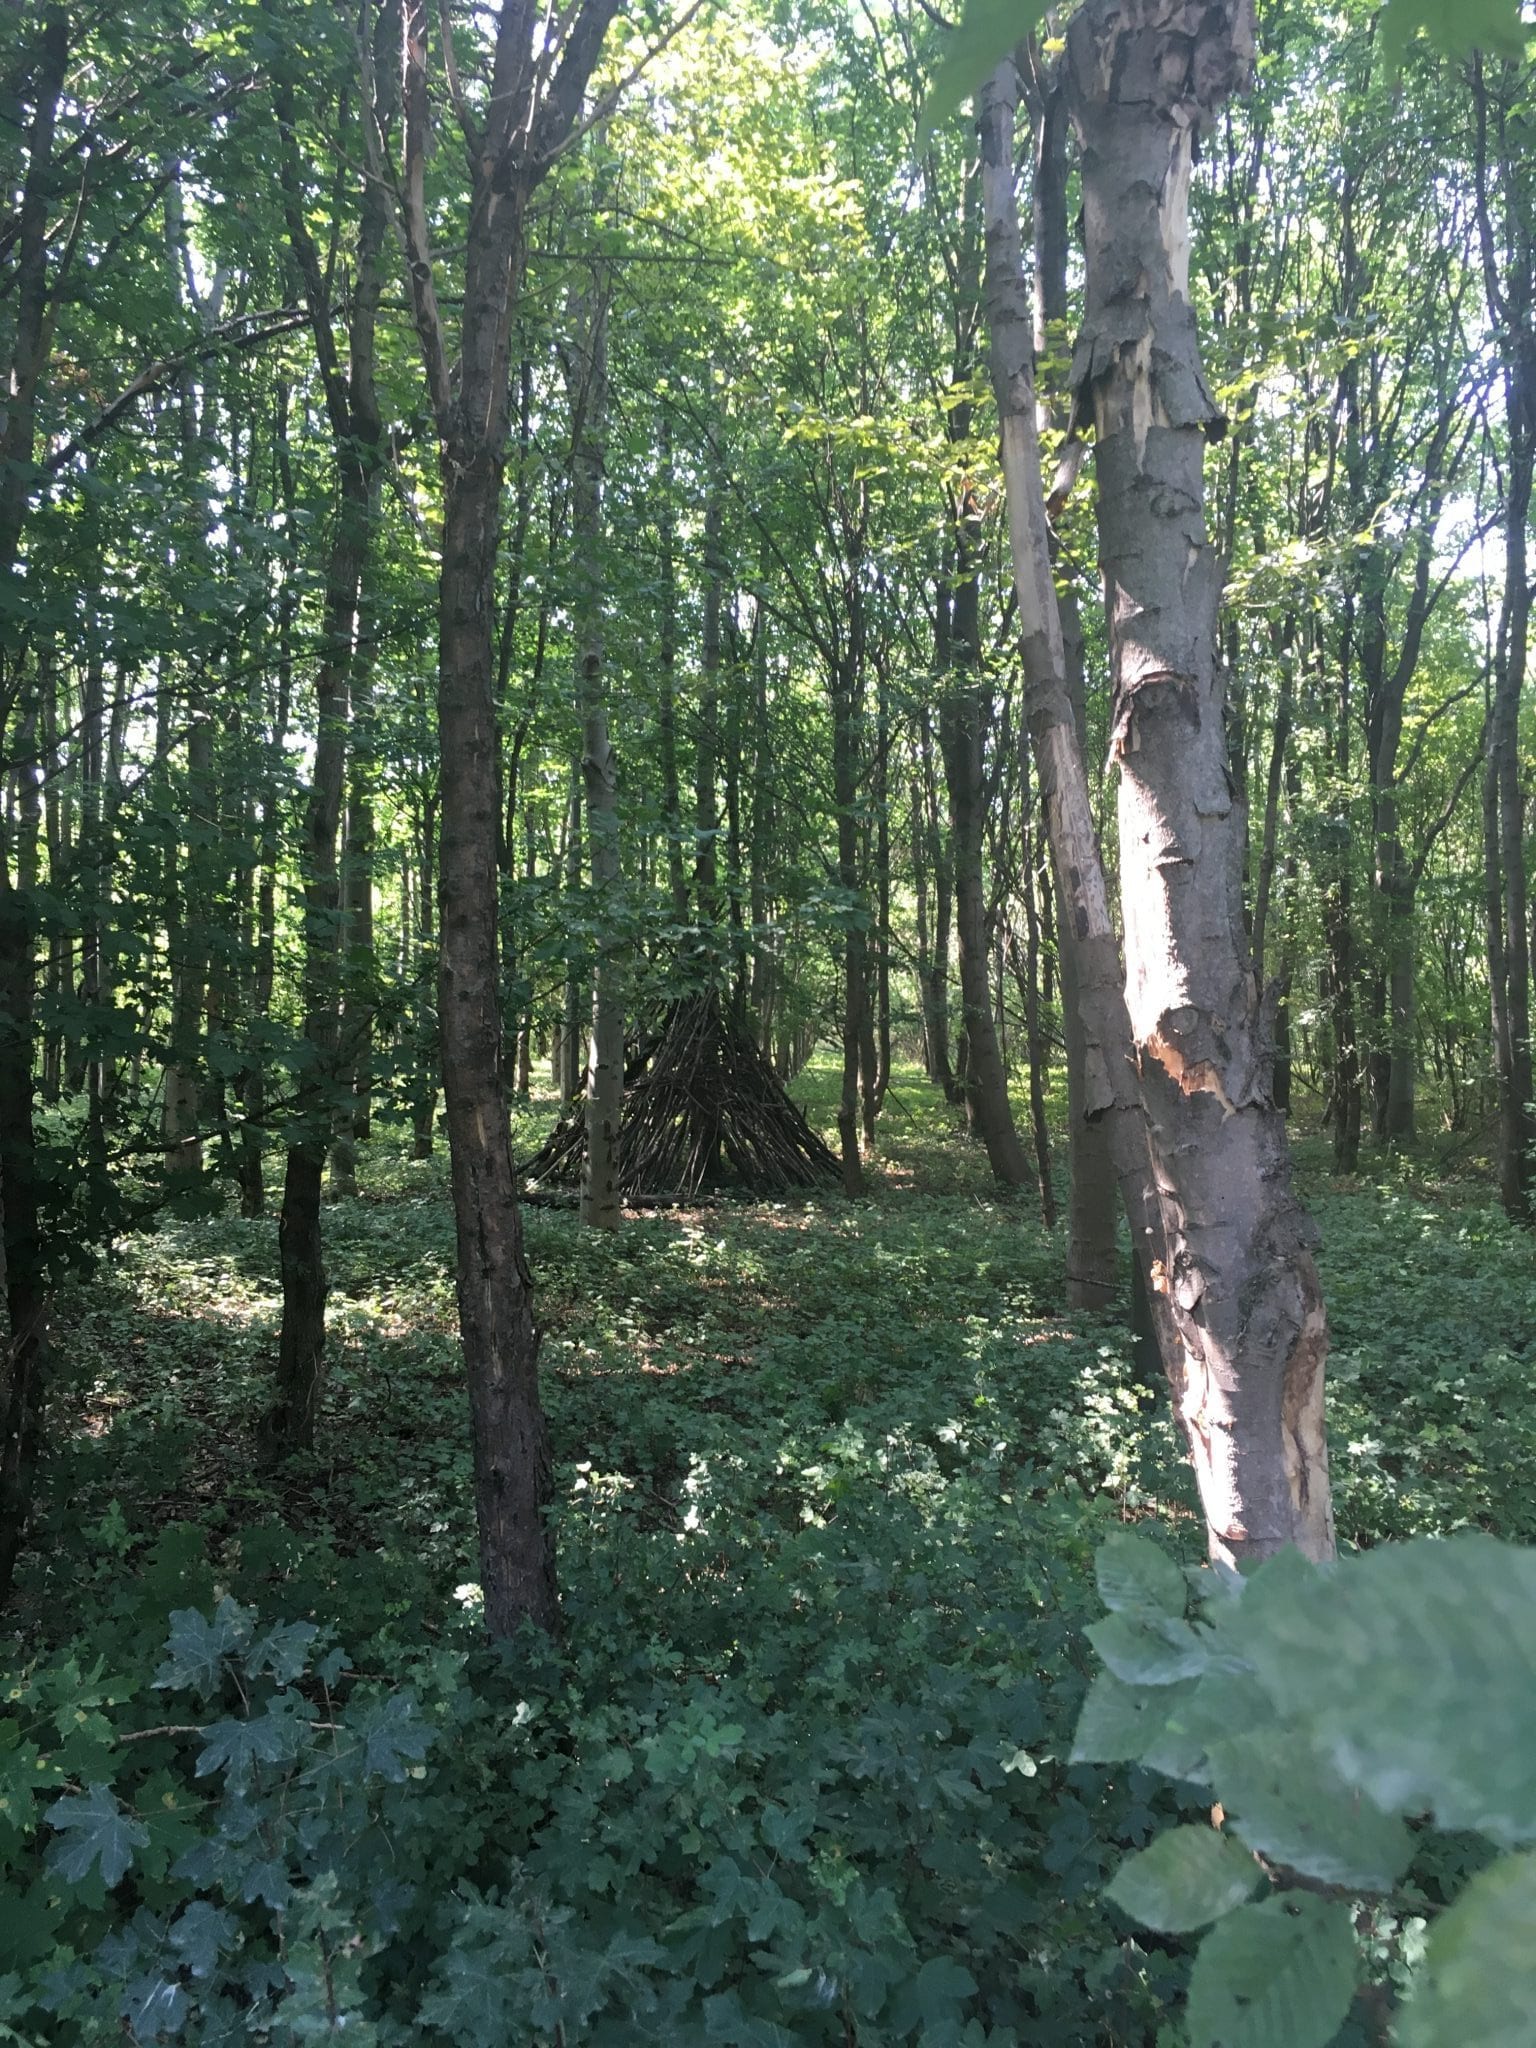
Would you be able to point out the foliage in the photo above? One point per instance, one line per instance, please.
(799, 1769)
(1359, 1730)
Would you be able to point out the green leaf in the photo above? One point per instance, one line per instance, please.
(1415, 1667)
(1291, 1806)
(1149, 1650)
(988, 30)
(1277, 1975)
(200, 1935)
(1136, 1577)
(1478, 1984)
(197, 1647)
(94, 1830)
(236, 1747)
(1118, 1722)
(1189, 1877)
(932, 2000)
(283, 1650)
(392, 1738)
(1223, 1700)
(1458, 27)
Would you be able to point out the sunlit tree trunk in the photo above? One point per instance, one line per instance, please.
(1237, 1268)
(1092, 1253)
(1248, 1398)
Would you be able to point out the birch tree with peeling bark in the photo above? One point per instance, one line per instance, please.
(1247, 1387)
(1237, 1275)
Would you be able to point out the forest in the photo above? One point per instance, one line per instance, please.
(767, 1136)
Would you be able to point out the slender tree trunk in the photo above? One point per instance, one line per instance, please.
(290, 1425)
(935, 992)
(428, 1039)
(845, 797)
(530, 104)
(359, 964)
(706, 864)
(356, 429)
(571, 1069)
(600, 1207)
(963, 722)
(1092, 1251)
(666, 708)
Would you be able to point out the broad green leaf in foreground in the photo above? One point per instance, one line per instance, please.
(1478, 1985)
(1188, 1878)
(1415, 1667)
(1136, 1577)
(1287, 1802)
(1458, 27)
(1118, 1721)
(1148, 1649)
(1277, 1975)
(987, 31)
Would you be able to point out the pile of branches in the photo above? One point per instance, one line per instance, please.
(703, 1109)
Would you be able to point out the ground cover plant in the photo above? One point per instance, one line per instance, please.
(832, 1480)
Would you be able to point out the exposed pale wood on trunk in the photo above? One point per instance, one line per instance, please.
(1237, 1278)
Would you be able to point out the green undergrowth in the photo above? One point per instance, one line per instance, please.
(831, 1478)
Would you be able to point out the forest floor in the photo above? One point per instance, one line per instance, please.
(831, 1479)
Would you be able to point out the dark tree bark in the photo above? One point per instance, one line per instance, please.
(666, 702)
(356, 428)
(35, 277)
(963, 722)
(536, 86)
(1506, 219)
(588, 387)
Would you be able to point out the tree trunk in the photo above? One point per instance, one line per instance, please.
(530, 104)
(845, 797)
(963, 720)
(1238, 1266)
(1506, 223)
(1261, 1462)
(1092, 1253)
(666, 705)
(600, 1208)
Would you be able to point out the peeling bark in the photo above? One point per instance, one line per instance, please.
(1237, 1278)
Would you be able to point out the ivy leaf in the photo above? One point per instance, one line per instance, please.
(987, 31)
(93, 1829)
(1477, 1988)
(1292, 1807)
(1277, 1975)
(1188, 1878)
(1136, 1577)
